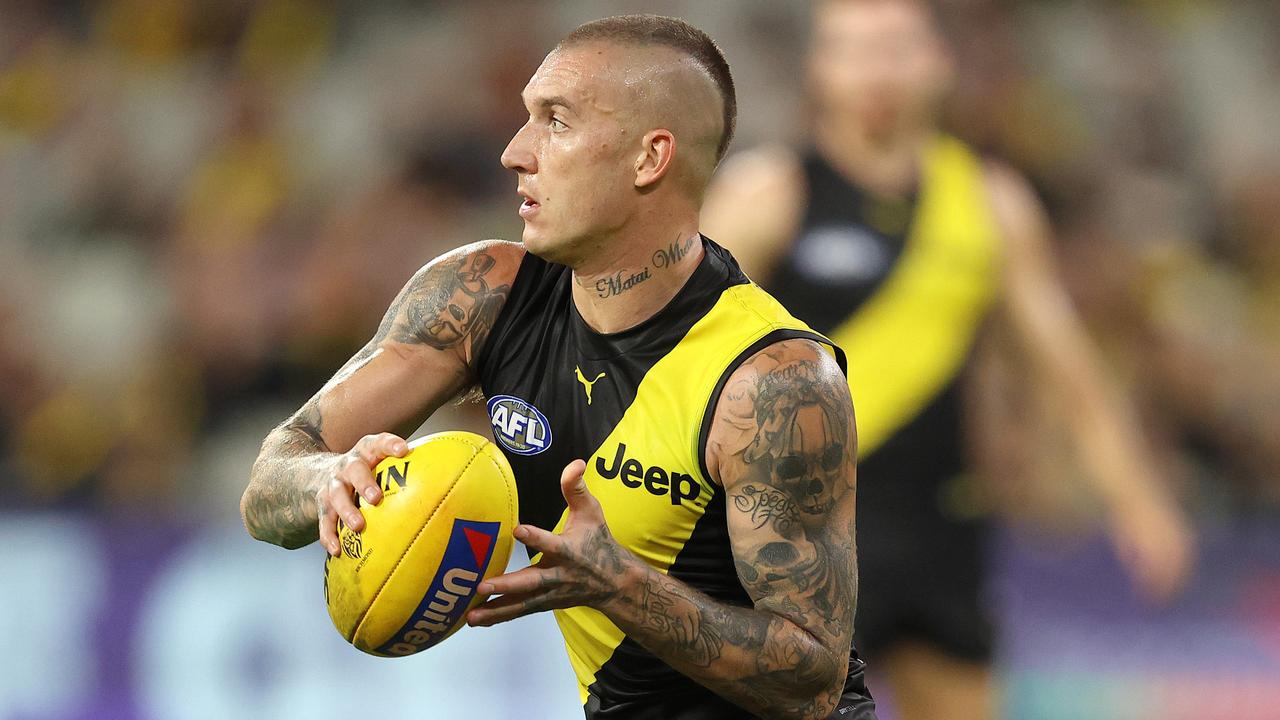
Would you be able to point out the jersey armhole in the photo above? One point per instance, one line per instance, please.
(502, 323)
(775, 336)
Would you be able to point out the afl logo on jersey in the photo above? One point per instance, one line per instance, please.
(519, 426)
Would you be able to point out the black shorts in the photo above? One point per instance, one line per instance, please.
(922, 577)
(856, 703)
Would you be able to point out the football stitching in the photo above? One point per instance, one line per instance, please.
(508, 481)
(416, 535)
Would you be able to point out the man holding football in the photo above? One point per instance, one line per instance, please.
(652, 358)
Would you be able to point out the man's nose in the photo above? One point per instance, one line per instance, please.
(519, 156)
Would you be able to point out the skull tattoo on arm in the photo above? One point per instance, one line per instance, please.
(788, 473)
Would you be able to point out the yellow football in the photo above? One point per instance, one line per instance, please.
(444, 523)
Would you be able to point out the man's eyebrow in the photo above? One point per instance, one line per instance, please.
(551, 101)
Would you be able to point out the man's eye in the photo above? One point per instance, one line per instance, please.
(557, 124)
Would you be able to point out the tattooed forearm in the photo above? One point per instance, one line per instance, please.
(310, 423)
(279, 506)
(786, 663)
(680, 620)
(755, 659)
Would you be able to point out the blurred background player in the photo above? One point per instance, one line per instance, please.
(904, 246)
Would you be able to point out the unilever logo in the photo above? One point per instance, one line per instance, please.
(466, 558)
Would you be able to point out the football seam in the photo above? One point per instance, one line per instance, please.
(413, 542)
(510, 481)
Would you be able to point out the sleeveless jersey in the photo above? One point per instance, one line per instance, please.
(637, 406)
(904, 286)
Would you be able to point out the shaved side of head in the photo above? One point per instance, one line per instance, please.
(679, 79)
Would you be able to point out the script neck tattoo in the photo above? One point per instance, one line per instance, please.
(620, 282)
(674, 252)
(624, 280)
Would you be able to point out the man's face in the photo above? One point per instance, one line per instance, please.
(574, 157)
(879, 61)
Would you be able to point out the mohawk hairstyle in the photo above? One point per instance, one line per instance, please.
(658, 30)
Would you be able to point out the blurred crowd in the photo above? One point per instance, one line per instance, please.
(206, 206)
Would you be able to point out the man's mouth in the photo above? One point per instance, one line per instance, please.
(529, 206)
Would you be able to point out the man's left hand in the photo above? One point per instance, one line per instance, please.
(582, 565)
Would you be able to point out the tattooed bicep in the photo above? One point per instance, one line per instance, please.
(785, 416)
(450, 305)
(455, 300)
(785, 448)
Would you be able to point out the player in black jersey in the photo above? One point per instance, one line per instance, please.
(702, 562)
(900, 244)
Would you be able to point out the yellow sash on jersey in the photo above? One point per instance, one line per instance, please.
(661, 432)
(908, 341)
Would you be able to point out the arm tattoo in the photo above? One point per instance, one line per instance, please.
(449, 304)
(756, 659)
(798, 466)
(794, 490)
(680, 620)
(310, 423)
(788, 474)
(280, 505)
(767, 506)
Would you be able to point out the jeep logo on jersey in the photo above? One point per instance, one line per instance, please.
(657, 481)
(519, 426)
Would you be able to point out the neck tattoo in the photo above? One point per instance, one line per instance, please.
(624, 280)
(673, 253)
(620, 282)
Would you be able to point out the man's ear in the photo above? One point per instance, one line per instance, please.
(658, 151)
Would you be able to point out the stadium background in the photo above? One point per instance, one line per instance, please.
(205, 206)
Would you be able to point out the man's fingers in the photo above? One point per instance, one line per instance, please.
(509, 607)
(574, 489)
(367, 453)
(341, 502)
(524, 580)
(358, 475)
(373, 448)
(539, 540)
(329, 529)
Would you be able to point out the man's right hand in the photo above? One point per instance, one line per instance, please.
(353, 473)
(422, 354)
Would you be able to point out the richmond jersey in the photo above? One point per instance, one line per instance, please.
(637, 406)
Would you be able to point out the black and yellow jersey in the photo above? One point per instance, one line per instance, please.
(637, 406)
(904, 285)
